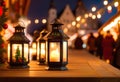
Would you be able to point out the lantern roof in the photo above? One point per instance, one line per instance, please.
(18, 27)
(19, 36)
(57, 33)
(63, 35)
(43, 32)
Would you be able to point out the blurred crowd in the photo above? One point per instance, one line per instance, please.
(104, 47)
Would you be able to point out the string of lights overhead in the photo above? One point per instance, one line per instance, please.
(98, 13)
(93, 14)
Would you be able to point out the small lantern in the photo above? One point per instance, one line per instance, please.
(57, 48)
(42, 47)
(34, 46)
(34, 49)
(18, 49)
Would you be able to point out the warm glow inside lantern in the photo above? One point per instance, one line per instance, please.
(54, 52)
(34, 50)
(18, 49)
(42, 47)
(57, 48)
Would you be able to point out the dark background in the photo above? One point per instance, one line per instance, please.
(39, 9)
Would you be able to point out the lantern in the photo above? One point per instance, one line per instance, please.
(34, 49)
(18, 49)
(42, 47)
(57, 48)
(34, 46)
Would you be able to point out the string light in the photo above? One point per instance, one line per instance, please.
(78, 25)
(78, 18)
(65, 30)
(105, 2)
(93, 16)
(73, 23)
(109, 9)
(36, 21)
(93, 9)
(116, 4)
(29, 21)
(90, 14)
(83, 20)
(44, 21)
(98, 16)
(86, 15)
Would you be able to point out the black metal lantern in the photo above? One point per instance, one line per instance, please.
(57, 48)
(34, 49)
(18, 49)
(42, 47)
(34, 45)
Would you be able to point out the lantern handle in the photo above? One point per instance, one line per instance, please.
(21, 23)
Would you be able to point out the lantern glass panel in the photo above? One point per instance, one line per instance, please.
(16, 52)
(8, 52)
(42, 51)
(37, 50)
(30, 53)
(34, 48)
(64, 51)
(26, 52)
(54, 52)
(46, 51)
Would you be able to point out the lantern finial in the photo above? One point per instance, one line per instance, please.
(57, 23)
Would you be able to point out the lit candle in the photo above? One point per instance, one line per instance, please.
(34, 49)
(55, 55)
(43, 50)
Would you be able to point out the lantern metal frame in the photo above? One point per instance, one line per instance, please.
(34, 45)
(18, 38)
(57, 36)
(42, 52)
